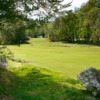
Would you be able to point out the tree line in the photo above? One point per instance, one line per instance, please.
(15, 22)
(81, 25)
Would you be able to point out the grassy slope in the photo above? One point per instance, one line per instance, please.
(31, 83)
(69, 59)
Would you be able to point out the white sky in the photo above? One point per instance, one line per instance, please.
(75, 3)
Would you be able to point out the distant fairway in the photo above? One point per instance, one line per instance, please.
(66, 58)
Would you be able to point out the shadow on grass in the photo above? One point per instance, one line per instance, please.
(18, 44)
(89, 44)
(33, 84)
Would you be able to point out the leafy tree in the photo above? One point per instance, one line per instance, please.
(88, 16)
(95, 25)
(82, 25)
(11, 8)
(64, 28)
(13, 13)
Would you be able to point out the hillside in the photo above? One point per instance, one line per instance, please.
(28, 82)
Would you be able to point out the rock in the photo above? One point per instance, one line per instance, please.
(90, 78)
(3, 62)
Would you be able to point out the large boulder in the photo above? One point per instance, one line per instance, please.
(90, 78)
(3, 62)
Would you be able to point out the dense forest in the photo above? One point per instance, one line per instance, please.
(79, 26)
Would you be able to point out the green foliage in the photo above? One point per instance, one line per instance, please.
(20, 35)
(64, 28)
(13, 14)
(7, 9)
(13, 32)
(6, 53)
(79, 26)
(18, 8)
(95, 20)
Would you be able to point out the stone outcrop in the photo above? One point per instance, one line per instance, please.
(90, 78)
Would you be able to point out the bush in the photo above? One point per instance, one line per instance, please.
(90, 78)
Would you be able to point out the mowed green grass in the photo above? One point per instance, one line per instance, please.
(60, 57)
